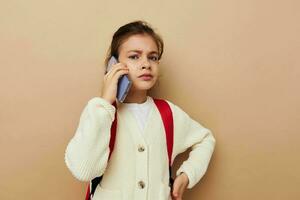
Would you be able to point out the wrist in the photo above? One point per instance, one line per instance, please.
(186, 178)
(107, 99)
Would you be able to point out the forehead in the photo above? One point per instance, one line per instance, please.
(139, 42)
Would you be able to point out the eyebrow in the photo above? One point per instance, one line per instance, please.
(139, 51)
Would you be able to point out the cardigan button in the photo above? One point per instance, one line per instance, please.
(141, 184)
(141, 149)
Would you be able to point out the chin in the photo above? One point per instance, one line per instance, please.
(143, 85)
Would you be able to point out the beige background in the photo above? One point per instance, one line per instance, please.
(232, 65)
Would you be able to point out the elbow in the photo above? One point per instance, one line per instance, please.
(76, 171)
(85, 170)
(211, 139)
(82, 178)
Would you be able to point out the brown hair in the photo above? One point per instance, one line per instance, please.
(127, 30)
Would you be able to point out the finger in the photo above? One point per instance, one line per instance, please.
(176, 186)
(182, 190)
(119, 74)
(180, 193)
(115, 69)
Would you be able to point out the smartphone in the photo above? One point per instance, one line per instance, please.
(124, 83)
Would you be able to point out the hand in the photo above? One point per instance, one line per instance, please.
(110, 81)
(180, 184)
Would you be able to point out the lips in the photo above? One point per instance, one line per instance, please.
(146, 75)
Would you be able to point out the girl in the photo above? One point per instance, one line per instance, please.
(138, 166)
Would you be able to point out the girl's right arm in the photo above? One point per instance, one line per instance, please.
(87, 153)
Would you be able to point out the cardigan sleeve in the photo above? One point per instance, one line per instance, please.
(191, 134)
(87, 152)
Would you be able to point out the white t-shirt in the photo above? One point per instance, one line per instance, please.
(140, 111)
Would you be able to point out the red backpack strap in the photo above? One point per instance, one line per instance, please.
(93, 183)
(88, 196)
(113, 132)
(167, 118)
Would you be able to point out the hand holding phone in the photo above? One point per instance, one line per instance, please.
(116, 83)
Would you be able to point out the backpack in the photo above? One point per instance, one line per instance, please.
(167, 118)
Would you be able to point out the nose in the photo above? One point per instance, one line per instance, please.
(146, 64)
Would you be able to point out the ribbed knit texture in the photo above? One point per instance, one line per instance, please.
(87, 152)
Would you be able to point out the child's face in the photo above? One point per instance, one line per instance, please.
(140, 54)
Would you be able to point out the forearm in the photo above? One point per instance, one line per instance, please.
(197, 163)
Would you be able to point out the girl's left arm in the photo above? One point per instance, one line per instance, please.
(189, 133)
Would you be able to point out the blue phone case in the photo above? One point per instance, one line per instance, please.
(124, 83)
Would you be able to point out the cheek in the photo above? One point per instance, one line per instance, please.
(132, 66)
(155, 70)
(132, 74)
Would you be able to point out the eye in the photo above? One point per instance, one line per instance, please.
(154, 58)
(133, 57)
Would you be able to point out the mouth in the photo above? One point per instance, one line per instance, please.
(146, 77)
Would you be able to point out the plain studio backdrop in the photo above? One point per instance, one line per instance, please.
(231, 65)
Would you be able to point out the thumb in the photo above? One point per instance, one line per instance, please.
(176, 189)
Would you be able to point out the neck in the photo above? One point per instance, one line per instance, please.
(136, 96)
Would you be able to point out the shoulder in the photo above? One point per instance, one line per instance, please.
(176, 109)
(183, 122)
(180, 117)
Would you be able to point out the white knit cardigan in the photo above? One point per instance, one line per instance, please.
(132, 174)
